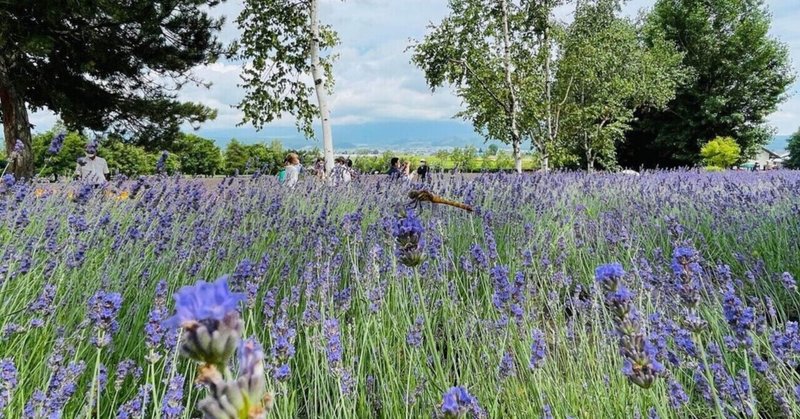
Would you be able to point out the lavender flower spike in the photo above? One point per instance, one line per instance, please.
(245, 397)
(457, 402)
(8, 382)
(208, 313)
(57, 143)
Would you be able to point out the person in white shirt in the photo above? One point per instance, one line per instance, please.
(92, 168)
(292, 169)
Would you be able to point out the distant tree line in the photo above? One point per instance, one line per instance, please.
(189, 154)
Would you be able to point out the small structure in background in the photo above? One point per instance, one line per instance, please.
(766, 159)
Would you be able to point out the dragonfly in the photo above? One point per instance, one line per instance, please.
(418, 197)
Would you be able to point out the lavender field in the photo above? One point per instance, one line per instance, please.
(667, 295)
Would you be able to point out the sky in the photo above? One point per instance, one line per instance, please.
(380, 97)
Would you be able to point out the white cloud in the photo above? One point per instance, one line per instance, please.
(375, 80)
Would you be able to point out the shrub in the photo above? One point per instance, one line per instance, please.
(721, 152)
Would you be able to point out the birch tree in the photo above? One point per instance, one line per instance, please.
(474, 49)
(282, 42)
(612, 73)
(500, 56)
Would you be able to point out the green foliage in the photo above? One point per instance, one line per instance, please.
(740, 74)
(236, 157)
(494, 56)
(492, 150)
(721, 152)
(107, 65)
(247, 159)
(465, 159)
(63, 163)
(605, 72)
(275, 42)
(504, 161)
(127, 159)
(197, 155)
(793, 147)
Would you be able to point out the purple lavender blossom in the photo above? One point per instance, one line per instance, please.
(538, 349)
(407, 231)
(687, 271)
(457, 402)
(414, 336)
(9, 180)
(204, 301)
(43, 305)
(8, 381)
(508, 367)
(609, 273)
(479, 256)
(741, 318)
(788, 282)
(103, 310)
(207, 312)
(126, 368)
(56, 143)
(282, 373)
(334, 344)
(133, 408)
(172, 405)
(677, 395)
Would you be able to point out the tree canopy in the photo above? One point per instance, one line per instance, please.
(793, 147)
(739, 76)
(605, 72)
(281, 42)
(102, 65)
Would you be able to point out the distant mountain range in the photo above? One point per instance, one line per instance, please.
(394, 135)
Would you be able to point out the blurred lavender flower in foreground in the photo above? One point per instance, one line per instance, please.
(244, 397)
(56, 143)
(208, 314)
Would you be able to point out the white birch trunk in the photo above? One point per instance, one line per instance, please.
(513, 105)
(548, 96)
(319, 85)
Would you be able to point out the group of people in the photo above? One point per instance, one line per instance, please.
(343, 171)
(402, 170)
(94, 169)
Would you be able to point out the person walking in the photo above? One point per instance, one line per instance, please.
(422, 171)
(92, 168)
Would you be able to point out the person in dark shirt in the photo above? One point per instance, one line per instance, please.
(394, 169)
(422, 171)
